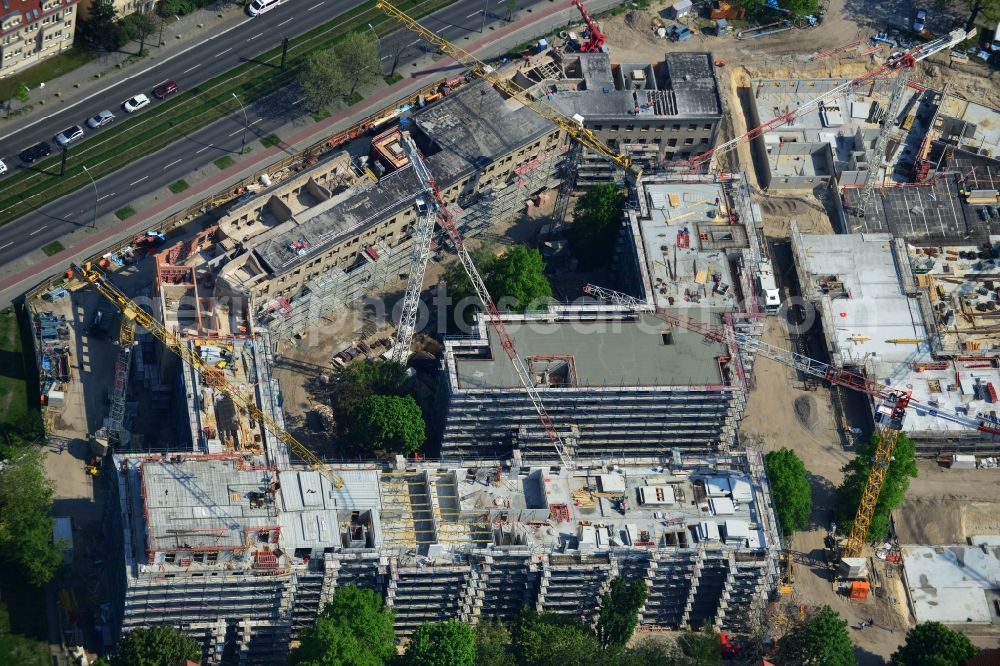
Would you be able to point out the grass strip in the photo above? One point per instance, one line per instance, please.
(125, 213)
(55, 247)
(270, 140)
(178, 186)
(186, 113)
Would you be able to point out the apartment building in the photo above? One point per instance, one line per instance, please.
(33, 30)
(329, 235)
(122, 7)
(653, 112)
(242, 556)
(626, 382)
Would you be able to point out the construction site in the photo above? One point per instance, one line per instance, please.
(618, 431)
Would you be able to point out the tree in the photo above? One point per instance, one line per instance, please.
(155, 646)
(518, 278)
(25, 520)
(790, 489)
(546, 639)
(360, 380)
(988, 8)
(389, 423)
(321, 79)
(801, 7)
(510, 6)
(897, 481)
(493, 644)
(933, 644)
(442, 644)
(596, 220)
(821, 639)
(101, 29)
(700, 648)
(619, 611)
(139, 26)
(459, 287)
(355, 628)
(359, 61)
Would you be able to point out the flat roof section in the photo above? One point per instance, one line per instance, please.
(607, 352)
(775, 97)
(692, 79)
(981, 122)
(866, 313)
(952, 584)
(921, 213)
(685, 245)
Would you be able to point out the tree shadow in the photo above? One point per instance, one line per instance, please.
(824, 501)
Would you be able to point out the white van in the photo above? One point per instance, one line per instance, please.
(995, 44)
(260, 6)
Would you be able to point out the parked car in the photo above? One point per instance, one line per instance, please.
(918, 23)
(164, 89)
(69, 135)
(260, 6)
(133, 104)
(3, 168)
(101, 119)
(36, 152)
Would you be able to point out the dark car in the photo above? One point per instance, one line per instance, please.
(164, 89)
(36, 152)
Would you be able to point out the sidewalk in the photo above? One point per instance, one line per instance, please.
(179, 34)
(18, 277)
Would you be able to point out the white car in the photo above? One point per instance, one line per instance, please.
(3, 168)
(918, 23)
(100, 120)
(69, 135)
(258, 7)
(133, 104)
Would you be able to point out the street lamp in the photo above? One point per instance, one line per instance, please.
(486, 4)
(94, 183)
(246, 124)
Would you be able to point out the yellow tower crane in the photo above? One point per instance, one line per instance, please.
(574, 129)
(244, 402)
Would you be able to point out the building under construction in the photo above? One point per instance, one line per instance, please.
(242, 556)
(625, 382)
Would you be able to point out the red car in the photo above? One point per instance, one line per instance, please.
(164, 89)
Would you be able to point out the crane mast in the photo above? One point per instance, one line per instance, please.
(897, 64)
(447, 222)
(422, 236)
(244, 402)
(116, 415)
(895, 400)
(574, 129)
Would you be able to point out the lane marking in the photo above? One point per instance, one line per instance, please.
(191, 69)
(255, 36)
(475, 14)
(138, 181)
(204, 149)
(44, 226)
(173, 163)
(106, 196)
(223, 52)
(415, 41)
(236, 132)
(314, 6)
(255, 122)
(283, 23)
(127, 78)
(6, 245)
(298, 101)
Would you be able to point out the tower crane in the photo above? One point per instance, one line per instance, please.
(897, 65)
(116, 415)
(420, 254)
(573, 128)
(244, 402)
(447, 222)
(595, 38)
(893, 403)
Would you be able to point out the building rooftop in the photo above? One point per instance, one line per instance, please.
(864, 309)
(687, 237)
(591, 351)
(478, 125)
(954, 584)
(968, 124)
(20, 13)
(928, 213)
(692, 80)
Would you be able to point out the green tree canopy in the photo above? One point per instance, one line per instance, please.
(493, 644)
(360, 380)
(933, 644)
(700, 648)
(442, 644)
(25, 515)
(321, 79)
(389, 423)
(101, 29)
(355, 629)
(897, 481)
(820, 639)
(155, 646)
(619, 611)
(337, 73)
(545, 639)
(990, 9)
(596, 220)
(790, 489)
(516, 280)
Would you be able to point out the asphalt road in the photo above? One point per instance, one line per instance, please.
(464, 19)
